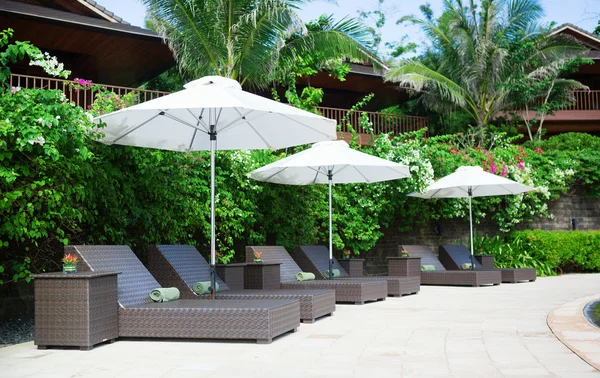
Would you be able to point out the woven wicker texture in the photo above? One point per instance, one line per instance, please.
(446, 277)
(212, 319)
(187, 261)
(315, 259)
(453, 256)
(165, 262)
(134, 282)
(75, 310)
(351, 291)
(404, 266)
(427, 256)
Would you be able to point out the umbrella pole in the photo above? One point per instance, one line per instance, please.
(330, 177)
(213, 142)
(471, 227)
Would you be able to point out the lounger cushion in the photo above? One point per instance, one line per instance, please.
(204, 287)
(164, 294)
(427, 268)
(305, 276)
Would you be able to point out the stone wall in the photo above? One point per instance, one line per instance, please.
(575, 205)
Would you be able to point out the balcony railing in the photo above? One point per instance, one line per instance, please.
(379, 122)
(84, 97)
(585, 100)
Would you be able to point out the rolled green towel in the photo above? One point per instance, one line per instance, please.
(204, 287)
(466, 266)
(164, 294)
(336, 273)
(305, 276)
(427, 268)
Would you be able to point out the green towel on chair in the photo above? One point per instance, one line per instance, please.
(466, 266)
(164, 294)
(305, 276)
(204, 287)
(336, 273)
(427, 268)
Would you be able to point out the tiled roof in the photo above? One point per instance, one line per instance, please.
(13, 7)
(110, 14)
(577, 29)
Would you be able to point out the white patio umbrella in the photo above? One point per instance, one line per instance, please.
(214, 113)
(469, 182)
(330, 163)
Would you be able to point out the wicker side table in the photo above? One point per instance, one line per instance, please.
(354, 267)
(404, 266)
(232, 274)
(79, 309)
(262, 276)
(487, 261)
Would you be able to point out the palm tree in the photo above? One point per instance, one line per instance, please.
(475, 64)
(248, 40)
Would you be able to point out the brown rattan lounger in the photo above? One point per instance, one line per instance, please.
(315, 259)
(182, 265)
(441, 276)
(346, 291)
(453, 256)
(259, 320)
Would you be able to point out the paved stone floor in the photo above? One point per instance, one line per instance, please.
(572, 328)
(496, 331)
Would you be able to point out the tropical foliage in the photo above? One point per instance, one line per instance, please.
(249, 40)
(478, 52)
(550, 252)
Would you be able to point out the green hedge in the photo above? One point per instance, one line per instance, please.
(550, 252)
(563, 251)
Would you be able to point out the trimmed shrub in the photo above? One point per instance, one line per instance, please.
(564, 251)
(550, 252)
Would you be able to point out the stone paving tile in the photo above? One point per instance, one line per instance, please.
(498, 331)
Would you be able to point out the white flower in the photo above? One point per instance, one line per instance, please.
(40, 120)
(39, 140)
(50, 65)
(57, 117)
(7, 120)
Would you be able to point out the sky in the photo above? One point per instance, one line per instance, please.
(583, 13)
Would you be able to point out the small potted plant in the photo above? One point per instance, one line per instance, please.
(346, 253)
(70, 263)
(403, 253)
(257, 257)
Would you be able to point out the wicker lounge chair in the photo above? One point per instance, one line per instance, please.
(453, 256)
(441, 276)
(315, 259)
(259, 320)
(182, 265)
(346, 291)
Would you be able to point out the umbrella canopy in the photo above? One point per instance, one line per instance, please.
(184, 120)
(475, 180)
(330, 163)
(469, 182)
(214, 113)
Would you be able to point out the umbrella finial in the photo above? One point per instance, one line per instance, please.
(223, 82)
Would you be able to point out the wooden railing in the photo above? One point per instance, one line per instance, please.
(84, 95)
(373, 122)
(585, 100)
